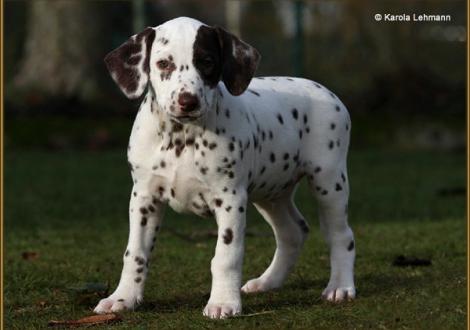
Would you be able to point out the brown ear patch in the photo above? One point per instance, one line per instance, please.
(126, 65)
(206, 46)
(240, 61)
(219, 54)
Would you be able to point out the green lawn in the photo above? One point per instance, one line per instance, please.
(70, 209)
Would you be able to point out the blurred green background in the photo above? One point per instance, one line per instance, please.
(403, 82)
(67, 183)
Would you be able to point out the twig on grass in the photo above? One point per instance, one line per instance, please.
(256, 314)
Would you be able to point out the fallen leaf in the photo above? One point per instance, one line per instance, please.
(29, 255)
(86, 321)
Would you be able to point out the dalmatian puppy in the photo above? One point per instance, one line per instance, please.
(209, 138)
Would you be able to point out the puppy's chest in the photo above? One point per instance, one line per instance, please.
(177, 171)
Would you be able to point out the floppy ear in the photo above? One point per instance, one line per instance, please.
(239, 62)
(129, 63)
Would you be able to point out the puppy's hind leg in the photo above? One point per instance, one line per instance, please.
(330, 186)
(290, 231)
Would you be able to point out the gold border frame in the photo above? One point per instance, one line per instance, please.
(1, 164)
(467, 91)
(2, 168)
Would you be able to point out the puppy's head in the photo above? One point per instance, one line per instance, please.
(182, 61)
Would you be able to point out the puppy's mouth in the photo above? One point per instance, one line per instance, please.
(186, 118)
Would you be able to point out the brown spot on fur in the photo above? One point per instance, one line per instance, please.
(303, 226)
(176, 127)
(272, 157)
(228, 236)
(139, 260)
(165, 74)
(178, 150)
(295, 113)
(351, 246)
(189, 141)
(212, 146)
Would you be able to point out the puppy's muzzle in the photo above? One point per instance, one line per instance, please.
(188, 102)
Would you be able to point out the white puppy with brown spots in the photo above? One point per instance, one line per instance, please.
(208, 139)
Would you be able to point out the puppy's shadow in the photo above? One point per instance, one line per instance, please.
(307, 293)
(300, 293)
(373, 285)
(173, 304)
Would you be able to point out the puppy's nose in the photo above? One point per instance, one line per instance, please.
(188, 102)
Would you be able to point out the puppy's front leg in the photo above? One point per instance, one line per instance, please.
(226, 266)
(145, 216)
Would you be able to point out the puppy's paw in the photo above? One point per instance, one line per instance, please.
(222, 310)
(258, 285)
(117, 303)
(339, 294)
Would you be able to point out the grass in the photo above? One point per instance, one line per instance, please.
(70, 209)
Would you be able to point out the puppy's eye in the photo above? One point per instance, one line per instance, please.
(207, 61)
(163, 64)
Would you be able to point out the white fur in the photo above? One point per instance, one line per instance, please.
(227, 119)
